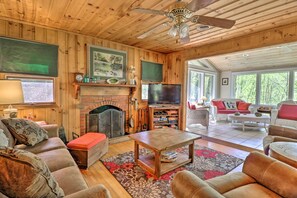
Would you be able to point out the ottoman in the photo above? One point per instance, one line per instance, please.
(87, 149)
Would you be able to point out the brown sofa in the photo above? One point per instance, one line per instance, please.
(261, 176)
(62, 166)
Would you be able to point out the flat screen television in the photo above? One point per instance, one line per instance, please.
(164, 94)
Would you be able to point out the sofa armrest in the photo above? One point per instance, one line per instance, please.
(282, 131)
(52, 129)
(98, 191)
(271, 173)
(273, 116)
(187, 185)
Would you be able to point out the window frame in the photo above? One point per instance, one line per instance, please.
(203, 73)
(21, 76)
(291, 72)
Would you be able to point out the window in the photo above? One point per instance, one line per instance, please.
(274, 88)
(144, 91)
(265, 87)
(245, 87)
(200, 84)
(37, 90)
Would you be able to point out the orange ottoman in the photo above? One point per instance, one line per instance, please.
(87, 149)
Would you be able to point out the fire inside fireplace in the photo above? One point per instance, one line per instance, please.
(106, 119)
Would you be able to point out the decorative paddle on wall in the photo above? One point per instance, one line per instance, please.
(180, 15)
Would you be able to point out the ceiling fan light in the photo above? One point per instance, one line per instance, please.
(173, 31)
(183, 30)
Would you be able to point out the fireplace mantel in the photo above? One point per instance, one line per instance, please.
(78, 85)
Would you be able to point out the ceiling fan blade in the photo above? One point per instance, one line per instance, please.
(150, 11)
(185, 39)
(212, 21)
(155, 29)
(195, 5)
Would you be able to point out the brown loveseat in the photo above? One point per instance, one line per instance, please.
(262, 176)
(61, 165)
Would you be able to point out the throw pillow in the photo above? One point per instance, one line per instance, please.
(24, 174)
(3, 139)
(243, 106)
(25, 131)
(11, 140)
(219, 104)
(287, 111)
(230, 105)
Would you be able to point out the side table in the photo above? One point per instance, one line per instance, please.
(285, 152)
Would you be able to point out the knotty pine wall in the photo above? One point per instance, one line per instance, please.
(71, 59)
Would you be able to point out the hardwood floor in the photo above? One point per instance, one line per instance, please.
(98, 174)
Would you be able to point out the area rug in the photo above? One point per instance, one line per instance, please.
(207, 164)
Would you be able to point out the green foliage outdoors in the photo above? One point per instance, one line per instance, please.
(245, 87)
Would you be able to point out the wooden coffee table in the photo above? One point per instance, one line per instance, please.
(161, 140)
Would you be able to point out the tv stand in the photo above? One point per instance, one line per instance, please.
(164, 116)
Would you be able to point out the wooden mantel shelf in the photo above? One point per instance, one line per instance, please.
(78, 85)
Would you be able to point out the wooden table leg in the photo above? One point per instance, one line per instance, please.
(157, 164)
(191, 152)
(136, 151)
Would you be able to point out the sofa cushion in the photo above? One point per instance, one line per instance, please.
(25, 131)
(219, 104)
(23, 174)
(230, 105)
(11, 141)
(3, 139)
(57, 159)
(243, 105)
(46, 145)
(287, 111)
(70, 179)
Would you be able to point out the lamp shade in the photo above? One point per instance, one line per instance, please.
(11, 92)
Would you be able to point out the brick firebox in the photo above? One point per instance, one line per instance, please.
(90, 102)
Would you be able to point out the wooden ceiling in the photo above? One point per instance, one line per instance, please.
(280, 56)
(113, 19)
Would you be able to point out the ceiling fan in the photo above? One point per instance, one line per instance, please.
(180, 15)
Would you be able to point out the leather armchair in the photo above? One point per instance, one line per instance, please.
(279, 134)
(261, 176)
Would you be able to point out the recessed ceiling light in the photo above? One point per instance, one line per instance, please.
(203, 27)
(245, 55)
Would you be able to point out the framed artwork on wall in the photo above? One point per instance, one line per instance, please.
(225, 81)
(105, 63)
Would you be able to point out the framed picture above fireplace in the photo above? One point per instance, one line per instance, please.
(105, 63)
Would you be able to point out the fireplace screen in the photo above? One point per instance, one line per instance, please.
(110, 121)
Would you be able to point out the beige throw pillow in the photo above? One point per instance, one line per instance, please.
(25, 131)
(24, 174)
(3, 139)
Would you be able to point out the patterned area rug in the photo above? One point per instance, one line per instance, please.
(207, 164)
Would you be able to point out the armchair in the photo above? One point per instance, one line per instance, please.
(198, 116)
(279, 134)
(285, 114)
(261, 176)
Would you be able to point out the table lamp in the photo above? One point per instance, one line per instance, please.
(203, 100)
(11, 93)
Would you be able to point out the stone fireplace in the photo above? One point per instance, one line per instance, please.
(107, 103)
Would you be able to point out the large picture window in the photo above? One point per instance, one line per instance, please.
(200, 84)
(37, 90)
(265, 87)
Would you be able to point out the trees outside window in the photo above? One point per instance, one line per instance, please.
(245, 87)
(200, 84)
(274, 88)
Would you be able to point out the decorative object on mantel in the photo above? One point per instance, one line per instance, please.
(112, 81)
(79, 77)
(12, 93)
(132, 75)
(106, 63)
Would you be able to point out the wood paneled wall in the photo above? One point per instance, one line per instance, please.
(72, 58)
